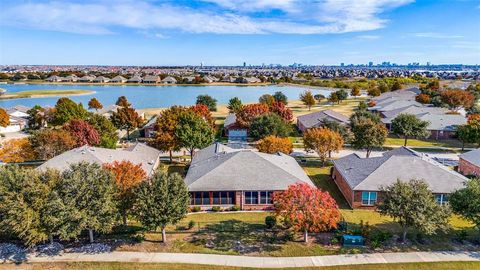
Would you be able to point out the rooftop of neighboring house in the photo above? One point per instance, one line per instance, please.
(219, 167)
(443, 122)
(139, 153)
(314, 119)
(472, 156)
(401, 163)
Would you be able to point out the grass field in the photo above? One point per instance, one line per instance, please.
(151, 266)
(46, 93)
(394, 141)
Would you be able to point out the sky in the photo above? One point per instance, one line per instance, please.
(231, 32)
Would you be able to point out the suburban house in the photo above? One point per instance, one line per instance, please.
(70, 78)
(169, 80)
(388, 116)
(54, 78)
(86, 79)
(118, 79)
(469, 163)
(148, 130)
(108, 111)
(443, 126)
(360, 179)
(248, 80)
(148, 157)
(316, 119)
(101, 79)
(232, 130)
(135, 79)
(223, 176)
(18, 119)
(151, 79)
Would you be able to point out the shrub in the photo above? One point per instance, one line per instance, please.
(216, 208)
(270, 222)
(196, 209)
(461, 235)
(190, 225)
(235, 208)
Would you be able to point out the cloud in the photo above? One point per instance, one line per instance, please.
(221, 17)
(437, 35)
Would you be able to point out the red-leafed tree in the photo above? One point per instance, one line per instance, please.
(204, 112)
(248, 112)
(423, 98)
(282, 110)
(306, 209)
(456, 98)
(82, 132)
(127, 177)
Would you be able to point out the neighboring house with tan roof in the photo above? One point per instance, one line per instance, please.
(469, 163)
(151, 79)
(360, 179)
(223, 176)
(148, 157)
(316, 119)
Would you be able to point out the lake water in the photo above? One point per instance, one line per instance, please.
(153, 96)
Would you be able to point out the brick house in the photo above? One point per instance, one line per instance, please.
(232, 130)
(469, 163)
(360, 179)
(223, 176)
(316, 119)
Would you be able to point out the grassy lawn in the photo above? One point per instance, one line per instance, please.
(45, 93)
(394, 141)
(151, 266)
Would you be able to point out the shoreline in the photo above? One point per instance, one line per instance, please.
(143, 84)
(13, 96)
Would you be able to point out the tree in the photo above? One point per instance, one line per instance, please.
(161, 201)
(122, 102)
(126, 118)
(382, 87)
(319, 97)
(466, 201)
(374, 92)
(423, 98)
(89, 191)
(209, 101)
(165, 139)
(248, 112)
(333, 98)
(234, 105)
(396, 85)
(269, 124)
(38, 117)
(367, 134)
(323, 141)
(306, 209)
(48, 143)
(342, 95)
(16, 150)
(203, 112)
(193, 132)
(127, 177)
(408, 125)
(355, 91)
(105, 128)
(455, 99)
(94, 104)
(281, 110)
(362, 114)
(266, 99)
(273, 144)
(413, 205)
(4, 118)
(341, 129)
(279, 96)
(470, 132)
(66, 110)
(307, 98)
(83, 132)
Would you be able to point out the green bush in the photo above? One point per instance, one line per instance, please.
(235, 208)
(196, 209)
(461, 235)
(270, 222)
(216, 208)
(190, 225)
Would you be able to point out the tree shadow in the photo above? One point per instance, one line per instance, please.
(238, 236)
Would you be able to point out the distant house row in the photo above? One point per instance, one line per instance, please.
(18, 119)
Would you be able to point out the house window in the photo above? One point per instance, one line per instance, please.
(216, 197)
(266, 197)
(197, 198)
(205, 198)
(442, 199)
(369, 198)
(251, 197)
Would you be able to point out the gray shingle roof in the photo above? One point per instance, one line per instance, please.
(445, 122)
(315, 119)
(401, 163)
(219, 167)
(230, 120)
(472, 157)
(140, 153)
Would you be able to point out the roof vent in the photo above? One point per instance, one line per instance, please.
(151, 162)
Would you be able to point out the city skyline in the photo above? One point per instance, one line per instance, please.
(225, 32)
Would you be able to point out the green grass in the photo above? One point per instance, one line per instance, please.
(394, 141)
(152, 266)
(41, 92)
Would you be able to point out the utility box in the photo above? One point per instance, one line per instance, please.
(353, 241)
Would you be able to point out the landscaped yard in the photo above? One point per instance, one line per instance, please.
(395, 141)
(150, 266)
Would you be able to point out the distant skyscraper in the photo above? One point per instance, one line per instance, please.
(370, 64)
(428, 64)
(342, 64)
(201, 64)
(244, 64)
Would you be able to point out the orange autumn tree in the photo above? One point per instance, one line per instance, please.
(273, 144)
(323, 141)
(4, 118)
(16, 150)
(248, 112)
(306, 209)
(127, 177)
(457, 98)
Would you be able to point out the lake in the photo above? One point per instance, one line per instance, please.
(143, 97)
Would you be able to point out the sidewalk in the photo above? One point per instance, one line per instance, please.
(261, 262)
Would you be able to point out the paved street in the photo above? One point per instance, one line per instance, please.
(263, 262)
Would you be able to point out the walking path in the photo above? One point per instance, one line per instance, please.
(263, 262)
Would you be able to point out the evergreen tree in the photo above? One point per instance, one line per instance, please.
(234, 105)
(269, 124)
(279, 96)
(209, 101)
(193, 132)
